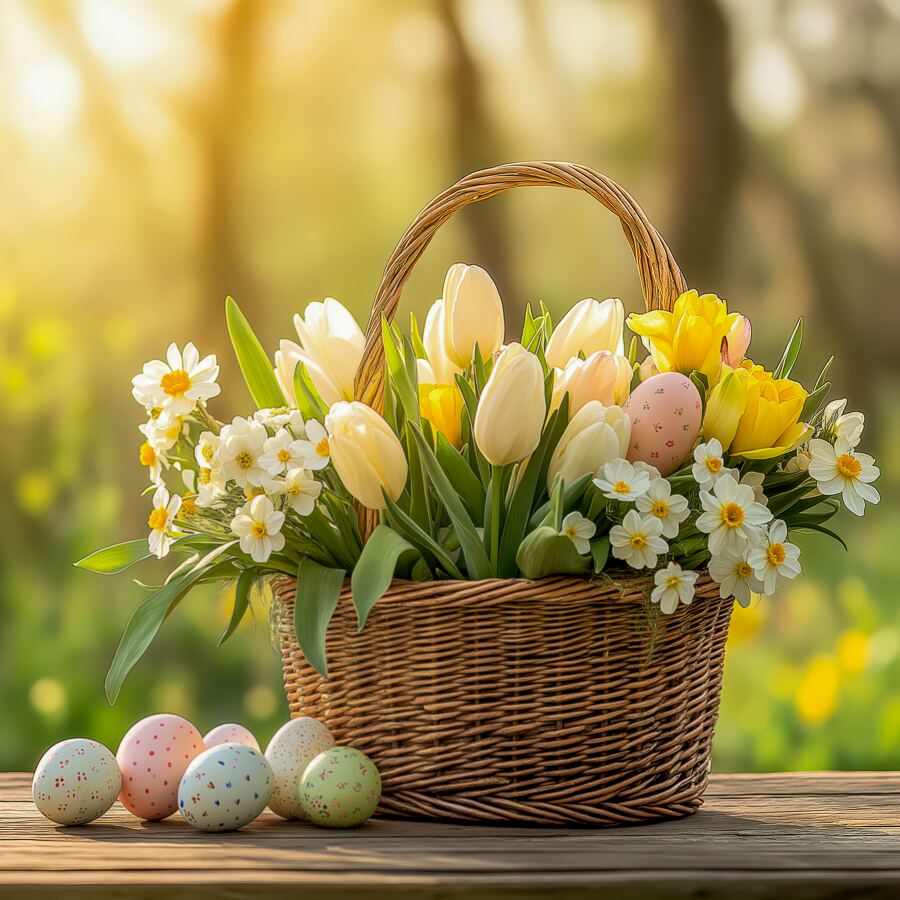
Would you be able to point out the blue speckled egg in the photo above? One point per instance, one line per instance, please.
(225, 788)
(340, 788)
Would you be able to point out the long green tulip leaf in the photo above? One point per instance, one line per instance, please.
(383, 554)
(318, 592)
(255, 365)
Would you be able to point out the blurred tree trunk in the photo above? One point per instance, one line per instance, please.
(474, 146)
(705, 157)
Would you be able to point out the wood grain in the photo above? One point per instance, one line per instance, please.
(760, 836)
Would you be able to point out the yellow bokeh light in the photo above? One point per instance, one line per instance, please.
(47, 696)
(817, 694)
(260, 701)
(853, 651)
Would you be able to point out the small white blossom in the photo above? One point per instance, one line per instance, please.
(840, 425)
(839, 469)
(734, 575)
(671, 509)
(620, 480)
(708, 463)
(160, 521)
(773, 558)
(282, 417)
(175, 386)
(315, 452)
(731, 516)
(638, 540)
(301, 490)
(240, 452)
(799, 462)
(258, 525)
(673, 585)
(579, 530)
(281, 452)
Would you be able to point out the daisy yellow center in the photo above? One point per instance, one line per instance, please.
(322, 447)
(244, 459)
(158, 518)
(147, 455)
(284, 456)
(205, 476)
(294, 490)
(732, 515)
(660, 509)
(188, 506)
(176, 382)
(255, 491)
(259, 530)
(621, 487)
(714, 464)
(744, 570)
(776, 554)
(571, 532)
(208, 452)
(849, 466)
(639, 541)
(672, 582)
(156, 412)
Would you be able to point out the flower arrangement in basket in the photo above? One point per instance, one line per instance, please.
(545, 529)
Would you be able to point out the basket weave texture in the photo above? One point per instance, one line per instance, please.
(564, 700)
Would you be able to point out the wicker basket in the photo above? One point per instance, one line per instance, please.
(564, 700)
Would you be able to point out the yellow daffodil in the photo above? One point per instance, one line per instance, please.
(442, 405)
(690, 336)
(755, 415)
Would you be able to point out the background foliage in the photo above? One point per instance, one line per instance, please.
(156, 157)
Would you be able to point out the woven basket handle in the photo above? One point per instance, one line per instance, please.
(661, 279)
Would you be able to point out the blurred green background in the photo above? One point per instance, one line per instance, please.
(156, 157)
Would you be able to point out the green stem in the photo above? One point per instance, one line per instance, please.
(496, 505)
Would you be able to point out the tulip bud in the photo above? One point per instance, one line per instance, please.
(511, 409)
(440, 368)
(442, 405)
(596, 435)
(602, 376)
(473, 314)
(737, 341)
(331, 346)
(587, 327)
(367, 455)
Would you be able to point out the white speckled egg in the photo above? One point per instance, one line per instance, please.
(665, 412)
(75, 782)
(340, 788)
(231, 734)
(289, 753)
(153, 756)
(225, 787)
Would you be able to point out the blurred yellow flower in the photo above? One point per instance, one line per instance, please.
(755, 415)
(47, 696)
(817, 695)
(442, 404)
(853, 651)
(35, 492)
(746, 623)
(690, 336)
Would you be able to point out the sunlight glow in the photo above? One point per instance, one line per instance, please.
(46, 96)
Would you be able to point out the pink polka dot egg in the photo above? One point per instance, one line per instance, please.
(230, 733)
(665, 412)
(152, 757)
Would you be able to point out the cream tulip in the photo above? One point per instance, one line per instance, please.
(596, 435)
(331, 347)
(438, 368)
(366, 454)
(511, 409)
(603, 376)
(473, 314)
(587, 327)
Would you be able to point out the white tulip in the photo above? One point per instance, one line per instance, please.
(473, 314)
(511, 409)
(366, 454)
(596, 435)
(587, 327)
(603, 376)
(438, 368)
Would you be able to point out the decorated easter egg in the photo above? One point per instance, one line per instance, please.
(225, 787)
(75, 782)
(231, 734)
(665, 412)
(340, 788)
(153, 756)
(289, 753)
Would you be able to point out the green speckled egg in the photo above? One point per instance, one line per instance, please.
(340, 788)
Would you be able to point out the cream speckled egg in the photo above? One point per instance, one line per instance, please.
(225, 788)
(289, 753)
(153, 756)
(231, 734)
(340, 788)
(665, 412)
(75, 782)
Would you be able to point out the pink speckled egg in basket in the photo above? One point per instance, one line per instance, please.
(152, 757)
(665, 412)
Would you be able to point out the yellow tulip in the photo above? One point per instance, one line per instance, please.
(511, 409)
(442, 405)
(587, 327)
(690, 337)
(602, 376)
(754, 414)
(368, 457)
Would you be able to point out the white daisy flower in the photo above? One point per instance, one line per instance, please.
(839, 424)
(281, 417)
(579, 530)
(755, 481)
(620, 480)
(773, 558)
(160, 521)
(839, 469)
(207, 450)
(671, 509)
(708, 463)
(240, 452)
(731, 516)
(673, 585)
(799, 462)
(155, 460)
(734, 575)
(176, 385)
(301, 490)
(281, 452)
(258, 525)
(314, 451)
(638, 540)
(162, 430)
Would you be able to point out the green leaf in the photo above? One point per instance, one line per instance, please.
(424, 542)
(255, 365)
(461, 476)
(570, 495)
(477, 563)
(632, 351)
(398, 373)
(470, 401)
(814, 402)
(701, 382)
(825, 369)
(318, 592)
(117, 558)
(241, 602)
(821, 529)
(600, 553)
(791, 352)
(383, 553)
(309, 401)
(528, 326)
(416, 337)
(547, 552)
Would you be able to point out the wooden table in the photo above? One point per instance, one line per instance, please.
(759, 836)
